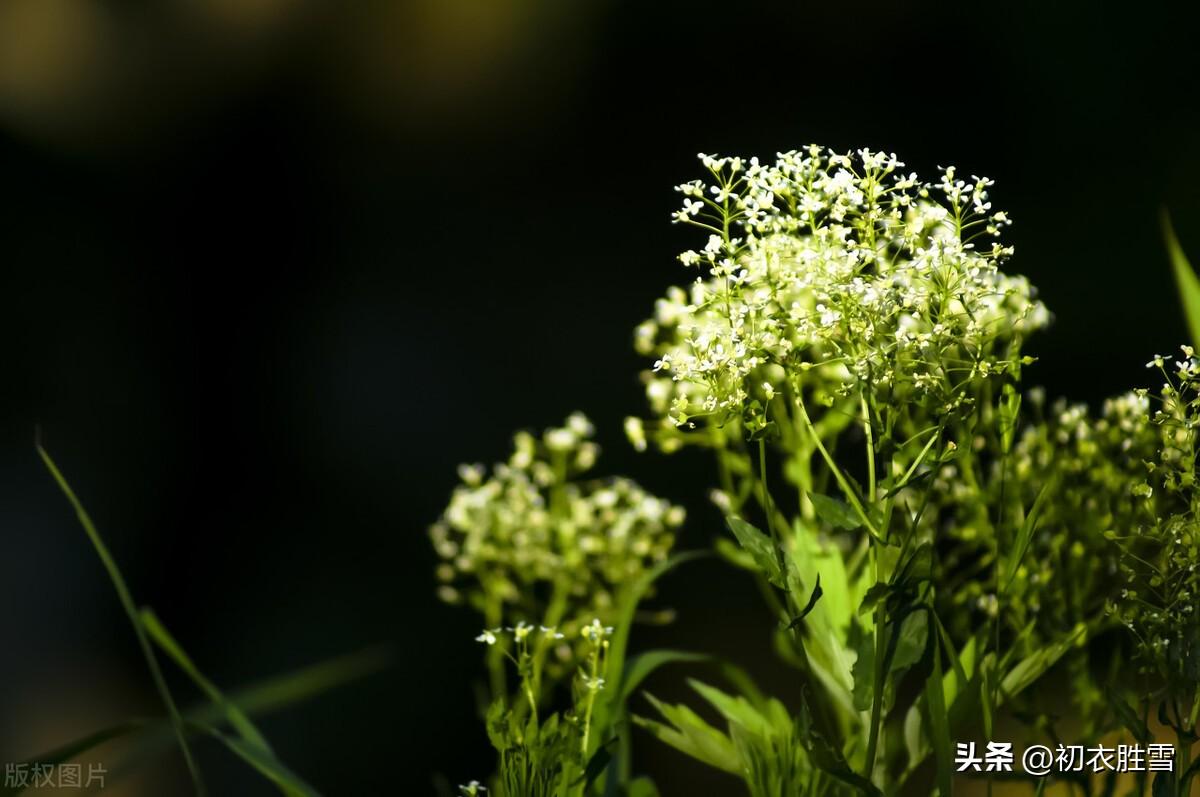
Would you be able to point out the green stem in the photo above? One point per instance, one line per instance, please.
(866, 419)
(847, 490)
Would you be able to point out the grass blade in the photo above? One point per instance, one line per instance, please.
(152, 736)
(127, 603)
(1185, 278)
(262, 760)
(237, 718)
(76, 748)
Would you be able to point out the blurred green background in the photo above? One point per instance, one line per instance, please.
(272, 268)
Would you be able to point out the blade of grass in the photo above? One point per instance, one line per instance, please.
(127, 603)
(78, 747)
(265, 762)
(237, 718)
(1185, 278)
(279, 692)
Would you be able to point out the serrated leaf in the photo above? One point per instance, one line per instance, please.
(735, 710)
(692, 736)
(863, 643)
(761, 547)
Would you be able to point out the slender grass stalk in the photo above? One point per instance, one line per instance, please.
(131, 611)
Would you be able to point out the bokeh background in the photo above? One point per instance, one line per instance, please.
(272, 268)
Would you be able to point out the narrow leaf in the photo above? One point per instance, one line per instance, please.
(237, 718)
(1025, 536)
(126, 598)
(642, 665)
(939, 728)
(1185, 278)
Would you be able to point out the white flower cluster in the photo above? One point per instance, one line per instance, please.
(842, 263)
(532, 528)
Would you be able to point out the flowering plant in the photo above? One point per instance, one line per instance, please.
(940, 546)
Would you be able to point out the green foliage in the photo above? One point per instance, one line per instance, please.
(249, 745)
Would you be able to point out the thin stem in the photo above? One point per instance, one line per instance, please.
(866, 418)
(837, 473)
(126, 598)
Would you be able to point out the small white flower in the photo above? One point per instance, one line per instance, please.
(487, 637)
(521, 630)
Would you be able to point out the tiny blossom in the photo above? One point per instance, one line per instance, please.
(840, 262)
(472, 789)
(487, 637)
(595, 632)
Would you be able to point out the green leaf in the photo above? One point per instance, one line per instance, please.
(1185, 278)
(1024, 536)
(911, 641)
(863, 642)
(736, 710)
(939, 728)
(761, 547)
(835, 512)
(827, 757)
(267, 764)
(642, 665)
(150, 737)
(1033, 666)
(624, 620)
(879, 591)
(1008, 412)
(812, 603)
(1129, 717)
(237, 718)
(692, 736)
(76, 748)
(126, 599)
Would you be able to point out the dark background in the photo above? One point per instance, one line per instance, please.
(272, 268)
